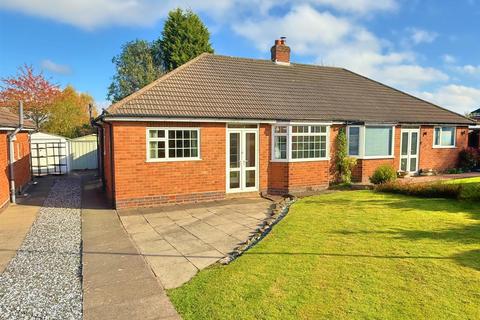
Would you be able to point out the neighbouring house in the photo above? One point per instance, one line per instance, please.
(15, 150)
(475, 115)
(474, 132)
(222, 125)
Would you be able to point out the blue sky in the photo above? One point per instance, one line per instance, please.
(427, 48)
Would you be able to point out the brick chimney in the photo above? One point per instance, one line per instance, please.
(280, 51)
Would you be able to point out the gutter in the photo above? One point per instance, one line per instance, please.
(11, 153)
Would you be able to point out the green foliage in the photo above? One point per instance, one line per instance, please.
(344, 163)
(69, 116)
(426, 190)
(136, 66)
(383, 174)
(184, 37)
(468, 159)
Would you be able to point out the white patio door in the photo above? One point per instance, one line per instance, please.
(242, 160)
(409, 149)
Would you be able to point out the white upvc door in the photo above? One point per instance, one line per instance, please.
(242, 160)
(409, 150)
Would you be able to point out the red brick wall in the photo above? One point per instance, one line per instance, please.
(22, 171)
(142, 183)
(303, 176)
(440, 158)
(107, 168)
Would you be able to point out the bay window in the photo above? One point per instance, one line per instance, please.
(370, 141)
(300, 142)
(444, 137)
(168, 144)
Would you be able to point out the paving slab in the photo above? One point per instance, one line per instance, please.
(178, 241)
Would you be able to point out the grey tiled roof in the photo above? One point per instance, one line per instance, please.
(10, 120)
(214, 86)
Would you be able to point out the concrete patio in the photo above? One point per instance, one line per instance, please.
(178, 241)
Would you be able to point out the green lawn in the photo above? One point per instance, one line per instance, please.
(464, 180)
(351, 255)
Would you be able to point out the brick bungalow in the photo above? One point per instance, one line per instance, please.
(220, 125)
(9, 122)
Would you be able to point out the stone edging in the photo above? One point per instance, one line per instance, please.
(278, 211)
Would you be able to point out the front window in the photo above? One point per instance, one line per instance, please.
(354, 141)
(378, 141)
(444, 137)
(300, 142)
(371, 141)
(171, 144)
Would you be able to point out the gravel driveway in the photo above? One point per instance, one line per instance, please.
(43, 280)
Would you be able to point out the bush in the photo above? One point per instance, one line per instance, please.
(468, 159)
(470, 192)
(383, 174)
(344, 163)
(426, 190)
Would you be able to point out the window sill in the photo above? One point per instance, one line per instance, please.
(444, 147)
(373, 157)
(300, 160)
(172, 160)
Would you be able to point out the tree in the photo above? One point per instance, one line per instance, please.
(184, 37)
(135, 68)
(36, 92)
(69, 115)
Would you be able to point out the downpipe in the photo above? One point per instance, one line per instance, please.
(11, 153)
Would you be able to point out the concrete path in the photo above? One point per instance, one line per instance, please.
(117, 282)
(178, 241)
(16, 220)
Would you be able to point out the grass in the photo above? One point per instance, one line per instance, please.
(474, 180)
(351, 255)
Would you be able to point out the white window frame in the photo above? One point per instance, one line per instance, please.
(289, 136)
(439, 146)
(361, 151)
(167, 158)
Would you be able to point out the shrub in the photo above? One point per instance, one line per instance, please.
(470, 192)
(468, 159)
(426, 190)
(344, 163)
(383, 174)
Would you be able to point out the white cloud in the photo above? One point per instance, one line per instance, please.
(458, 98)
(447, 58)
(359, 6)
(51, 66)
(339, 41)
(469, 69)
(418, 36)
(308, 30)
(90, 14)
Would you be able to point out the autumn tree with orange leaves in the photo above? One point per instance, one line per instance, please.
(36, 92)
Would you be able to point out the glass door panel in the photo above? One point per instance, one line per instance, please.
(242, 160)
(234, 160)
